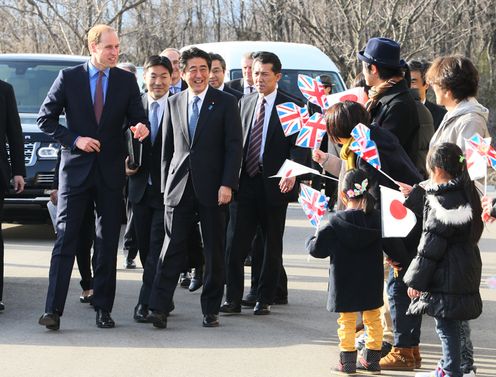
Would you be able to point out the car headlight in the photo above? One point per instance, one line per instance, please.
(48, 153)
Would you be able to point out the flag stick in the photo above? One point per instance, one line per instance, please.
(387, 176)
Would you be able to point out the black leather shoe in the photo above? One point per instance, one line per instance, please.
(129, 264)
(141, 313)
(230, 308)
(247, 262)
(250, 300)
(261, 309)
(210, 320)
(184, 280)
(159, 319)
(2, 306)
(281, 301)
(86, 299)
(50, 320)
(196, 280)
(104, 320)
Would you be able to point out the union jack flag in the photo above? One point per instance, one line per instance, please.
(290, 117)
(304, 114)
(483, 147)
(313, 90)
(312, 132)
(314, 204)
(364, 147)
(476, 162)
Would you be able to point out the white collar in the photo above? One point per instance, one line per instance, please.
(191, 95)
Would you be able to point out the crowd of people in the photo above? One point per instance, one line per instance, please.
(200, 203)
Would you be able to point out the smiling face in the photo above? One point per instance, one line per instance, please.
(216, 74)
(105, 53)
(157, 80)
(196, 74)
(264, 78)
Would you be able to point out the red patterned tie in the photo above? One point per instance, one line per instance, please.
(98, 103)
(252, 160)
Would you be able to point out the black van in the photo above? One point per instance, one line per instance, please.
(32, 75)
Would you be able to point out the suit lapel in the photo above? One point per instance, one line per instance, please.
(273, 121)
(249, 113)
(85, 87)
(207, 107)
(182, 106)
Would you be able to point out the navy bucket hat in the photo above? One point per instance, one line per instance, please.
(382, 52)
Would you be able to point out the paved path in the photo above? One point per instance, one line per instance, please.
(295, 340)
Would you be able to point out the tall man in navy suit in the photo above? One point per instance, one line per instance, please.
(200, 169)
(97, 97)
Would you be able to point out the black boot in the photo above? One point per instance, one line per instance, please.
(347, 363)
(368, 361)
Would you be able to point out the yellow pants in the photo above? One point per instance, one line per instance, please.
(347, 325)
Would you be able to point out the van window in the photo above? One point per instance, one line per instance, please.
(289, 80)
(31, 80)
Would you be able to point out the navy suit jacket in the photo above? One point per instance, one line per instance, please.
(234, 92)
(11, 132)
(212, 159)
(71, 93)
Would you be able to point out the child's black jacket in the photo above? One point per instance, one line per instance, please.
(448, 264)
(356, 276)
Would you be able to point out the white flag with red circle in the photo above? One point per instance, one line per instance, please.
(397, 220)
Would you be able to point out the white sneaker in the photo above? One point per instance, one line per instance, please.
(470, 374)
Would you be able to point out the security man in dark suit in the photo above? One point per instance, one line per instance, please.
(13, 167)
(260, 200)
(200, 169)
(245, 84)
(97, 97)
(217, 75)
(145, 181)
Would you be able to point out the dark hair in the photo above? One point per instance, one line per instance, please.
(448, 157)
(155, 60)
(420, 66)
(360, 82)
(354, 178)
(456, 74)
(214, 56)
(191, 53)
(386, 73)
(342, 117)
(265, 57)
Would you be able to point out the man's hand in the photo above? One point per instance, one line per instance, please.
(18, 184)
(54, 197)
(487, 206)
(140, 131)
(319, 157)
(225, 195)
(412, 293)
(130, 171)
(287, 184)
(88, 144)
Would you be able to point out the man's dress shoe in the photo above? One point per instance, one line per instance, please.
(159, 319)
(250, 300)
(129, 264)
(261, 309)
(104, 320)
(141, 313)
(2, 306)
(85, 299)
(230, 308)
(184, 280)
(196, 280)
(50, 320)
(210, 320)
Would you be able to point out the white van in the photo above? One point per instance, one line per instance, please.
(296, 58)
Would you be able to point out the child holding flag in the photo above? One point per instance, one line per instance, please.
(352, 239)
(444, 277)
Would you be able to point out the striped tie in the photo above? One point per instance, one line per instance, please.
(252, 166)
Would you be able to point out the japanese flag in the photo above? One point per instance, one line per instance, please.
(397, 220)
(293, 169)
(353, 94)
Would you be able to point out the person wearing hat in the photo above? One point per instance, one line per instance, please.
(392, 106)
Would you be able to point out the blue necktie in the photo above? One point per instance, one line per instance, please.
(193, 119)
(153, 117)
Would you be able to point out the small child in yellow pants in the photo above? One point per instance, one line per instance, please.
(353, 241)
